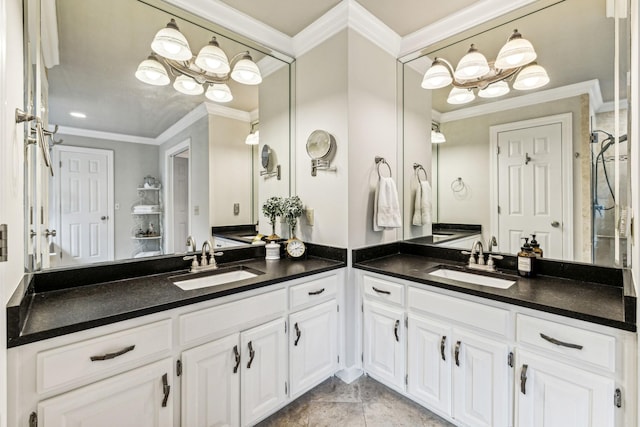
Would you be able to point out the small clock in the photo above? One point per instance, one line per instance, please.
(296, 248)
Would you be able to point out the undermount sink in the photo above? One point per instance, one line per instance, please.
(224, 276)
(476, 279)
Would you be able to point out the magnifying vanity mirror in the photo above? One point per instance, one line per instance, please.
(265, 156)
(321, 146)
(542, 162)
(117, 130)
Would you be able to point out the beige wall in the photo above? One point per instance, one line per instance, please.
(466, 155)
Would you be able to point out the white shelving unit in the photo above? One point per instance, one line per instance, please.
(147, 232)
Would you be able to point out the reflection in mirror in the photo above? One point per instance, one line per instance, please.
(117, 130)
(541, 162)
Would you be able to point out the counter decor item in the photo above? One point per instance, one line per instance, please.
(526, 260)
(273, 251)
(535, 246)
(292, 210)
(272, 209)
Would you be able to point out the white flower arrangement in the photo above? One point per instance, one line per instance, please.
(292, 210)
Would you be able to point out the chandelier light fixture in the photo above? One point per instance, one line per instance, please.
(437, 137)
(172, 56)
(254, 135)
(516, 58)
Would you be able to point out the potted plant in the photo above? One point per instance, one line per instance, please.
(292, 210)
(272, 209)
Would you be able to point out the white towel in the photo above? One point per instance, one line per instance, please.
(422, 206)
(386, 209)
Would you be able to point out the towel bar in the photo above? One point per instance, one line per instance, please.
(417, 167)
(381, 161)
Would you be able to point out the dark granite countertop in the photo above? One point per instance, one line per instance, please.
(444, 233)
(610, 301)
(63, 302)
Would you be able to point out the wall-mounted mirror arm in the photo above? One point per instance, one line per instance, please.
(275, 173)
(322, 165)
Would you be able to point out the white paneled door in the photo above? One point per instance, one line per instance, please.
(530, 188)
(85, 205)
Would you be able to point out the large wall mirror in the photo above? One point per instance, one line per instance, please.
(139, 167)
(549, 161)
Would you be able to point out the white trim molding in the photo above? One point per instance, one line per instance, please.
(329, 24)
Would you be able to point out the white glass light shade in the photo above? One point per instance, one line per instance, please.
(219, 92)
(253, 138)
(212, 59)
(460, 96)
(515, 53)
(187, 85)
(472, 65)
(494, 90)
(531, 77)
(246, 71)
(437, 137)
(152, 72)
(437, 76)
(170, 43)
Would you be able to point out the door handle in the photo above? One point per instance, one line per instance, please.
(457, 353)
(560, 343)
(104, 217)
(442, 344)
(380, 291)
(166, 389)
(48, 233)
(109, 356)
(298, 334)
(395, 330)
(555, 224)
(236, 354)
(523, 379)
(252, 354)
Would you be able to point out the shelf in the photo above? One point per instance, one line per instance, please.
(146, 237)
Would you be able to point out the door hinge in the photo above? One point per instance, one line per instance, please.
(286, 391)
(4, 245)
(498, 210)
(362, 308)
(510, 359)
(60, 164)
(33, 420)
(498, 149)
(362, 357)
(178, 367)
(338, 308)
(617, 398)
(406, 322)
(285, 327)
(406, 379)
(338, 358)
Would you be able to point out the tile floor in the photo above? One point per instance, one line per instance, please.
(365, 402)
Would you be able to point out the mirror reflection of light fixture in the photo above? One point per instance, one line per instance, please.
(516, 58)
(172, 56)
(437, 137)
(254, 135)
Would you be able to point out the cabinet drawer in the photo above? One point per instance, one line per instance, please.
(384, 290)
(596, 348)
(98, 357)
(312, 292)
(473, 314)
(227, 318)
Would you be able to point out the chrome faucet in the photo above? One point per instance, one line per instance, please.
(480, 264)
(477, 244)
(191, 244)
(206, 248)
(492, 243)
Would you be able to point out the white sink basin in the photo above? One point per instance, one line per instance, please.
(214, 279)
(475, 279)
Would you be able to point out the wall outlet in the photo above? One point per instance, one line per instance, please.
(309, 214)
(236, 208)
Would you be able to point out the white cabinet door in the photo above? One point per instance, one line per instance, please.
(211, 384)
(313, 345)
(480, 380)
(429, 362)
(141, 397)
(263, 370)
(384, 343)
(552, 394)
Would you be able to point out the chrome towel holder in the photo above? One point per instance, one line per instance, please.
(382, 161)
(417, 167)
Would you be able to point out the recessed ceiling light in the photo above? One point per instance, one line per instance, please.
(78, 114)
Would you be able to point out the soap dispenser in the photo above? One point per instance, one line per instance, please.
(526, 259)
(535, 246)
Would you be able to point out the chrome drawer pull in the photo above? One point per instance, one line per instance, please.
(252, 354)
(523, 379)
(380, 291)
(166, 389)
(316, 292)
(236, 354)
(298, 334)
(442, 344)
(395, 330)
(457, 353)
(112, 355)
(560, 343)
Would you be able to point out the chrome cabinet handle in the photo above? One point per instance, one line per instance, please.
(560, 343)
(298, 334)
(442, 344)
(166, 389)
(108, 356)
(457, 353)
(48, 233)
(523, 379)
(395, 330)
(380, 291)
(555, 224)
(252, 354)
(236, 354)
(316, 292)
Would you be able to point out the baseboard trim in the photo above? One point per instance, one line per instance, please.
(349, 375)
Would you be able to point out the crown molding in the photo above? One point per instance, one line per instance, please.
(365, 23)
(202, 110)
(269, 65)
(224, 15)
(476, 14)
(590, 87)
(329, 24)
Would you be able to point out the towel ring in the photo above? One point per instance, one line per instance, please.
(380, 161)
(417, 167)
(457, 185)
